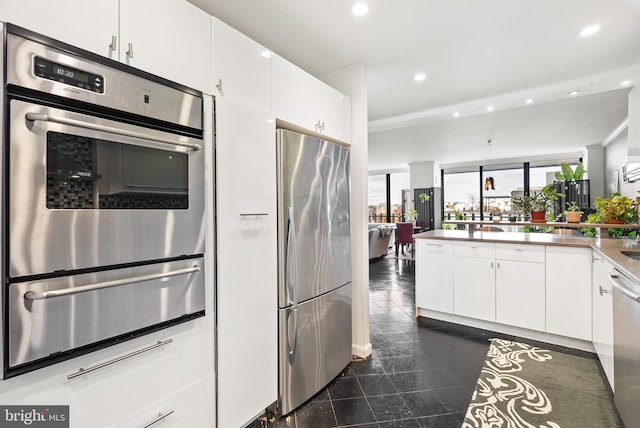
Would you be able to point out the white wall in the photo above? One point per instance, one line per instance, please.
(352, 81)
(593, 160)
(615, 155)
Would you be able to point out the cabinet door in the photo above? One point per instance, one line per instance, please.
(68, 21)
(247, 263)
(169, 38)
(568, 291)
(474, 291)
(304, 100)
(520, 294)
(241, 68)
(602, 322)
(434, 275)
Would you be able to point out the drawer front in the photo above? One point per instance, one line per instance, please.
(190, 407)
(482, 250)
(521, 253)
(434, 246)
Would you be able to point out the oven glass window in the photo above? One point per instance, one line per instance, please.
(87, 173)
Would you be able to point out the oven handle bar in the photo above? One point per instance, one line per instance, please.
(101, 128)
(32, 295)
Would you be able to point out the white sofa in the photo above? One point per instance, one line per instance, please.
(380, 235)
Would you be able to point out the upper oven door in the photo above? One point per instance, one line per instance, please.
(87, 192)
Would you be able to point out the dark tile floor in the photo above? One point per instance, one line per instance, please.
(421, 374)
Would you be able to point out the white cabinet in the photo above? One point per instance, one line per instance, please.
(247, 263)
(568, 291)
(68, 21)
(129, 381)
(169, 38)
(241, 68)
(302, 99)
(603, 315)
(474, 291)
(434, 275)
(520, 286)
(184, 408)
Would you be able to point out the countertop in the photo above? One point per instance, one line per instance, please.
(609, 248)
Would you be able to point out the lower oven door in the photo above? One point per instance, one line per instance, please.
(87, 192)
(69, 315)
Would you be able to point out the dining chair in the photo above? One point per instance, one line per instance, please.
(404, 235)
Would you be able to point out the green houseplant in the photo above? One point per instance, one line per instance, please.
(568, 174)
(573, 212)
(411, 215)
(538, 203)
(616, 209)
(424, 197)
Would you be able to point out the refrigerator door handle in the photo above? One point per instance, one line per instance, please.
(292, 339)
(292, 261)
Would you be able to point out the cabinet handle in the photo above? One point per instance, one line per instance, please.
(498, 265)
(114, 40)
(252, 214)
(219, 85)
(130, 50)
(160, 417)
(492, 264)
(82, 371)
(603, 290)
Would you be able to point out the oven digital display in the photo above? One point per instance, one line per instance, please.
(70, 73)
(50, 70)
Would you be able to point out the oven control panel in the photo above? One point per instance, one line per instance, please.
(50, 70)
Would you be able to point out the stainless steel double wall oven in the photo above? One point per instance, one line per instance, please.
(103, 202)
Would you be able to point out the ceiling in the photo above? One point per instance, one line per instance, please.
(474, 53)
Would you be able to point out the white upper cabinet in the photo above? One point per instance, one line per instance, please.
(68, 21)
(170, 38)
(241, 68)
(302, 99)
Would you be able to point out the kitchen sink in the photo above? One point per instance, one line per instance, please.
(632, 254)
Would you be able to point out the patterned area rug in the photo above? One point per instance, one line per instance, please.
(524, 386)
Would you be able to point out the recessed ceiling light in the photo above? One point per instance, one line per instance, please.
(625, 83)
(590, 30)
(360, 9)
(489, 108)
(574, 93)
(529, 100)
(266, 53)
(419, 77)
(456, 114)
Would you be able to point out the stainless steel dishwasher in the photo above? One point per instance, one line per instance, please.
(626, 347)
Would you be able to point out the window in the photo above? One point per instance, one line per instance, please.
(461, 194)
(386, 202)
(506, 182)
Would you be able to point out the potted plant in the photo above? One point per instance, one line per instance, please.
(573, 212)
(616, 209)
(411, 215)
(568, 174)
(424, 197)
(538, 203)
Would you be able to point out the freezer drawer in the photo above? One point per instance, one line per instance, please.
(52, 316)
(314, 346)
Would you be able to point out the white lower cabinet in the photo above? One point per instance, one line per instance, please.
(188, 407)
(434, 275)
(520, 286)
(129, 380)
(568, 291)
(474, 291)
(603, 315)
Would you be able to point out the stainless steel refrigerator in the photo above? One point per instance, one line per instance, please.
(314, 265)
